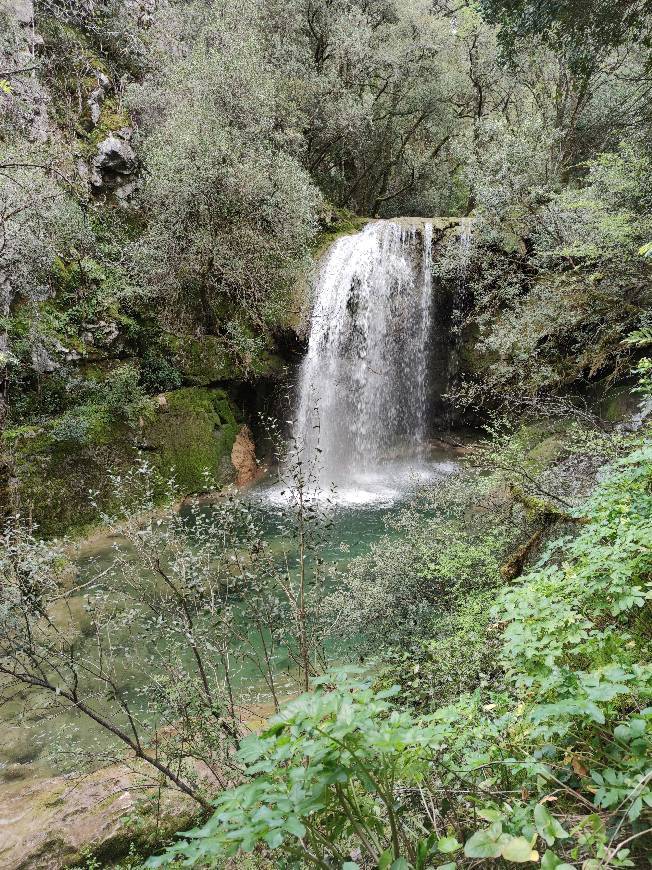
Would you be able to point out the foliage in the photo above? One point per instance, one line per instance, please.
(555, 760)
(556, 313)
(233, 211)
(459, 654)
(581, 28)
(325, 772)
(428, 560)
(171, 630)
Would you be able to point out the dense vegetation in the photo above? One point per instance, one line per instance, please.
(166, 170)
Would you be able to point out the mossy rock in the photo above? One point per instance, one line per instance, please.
(55, 477)
(193, 431)
(208, 360)
(57, 468)
(618, 403)
(201, 361)
(547, 451)
(470, 359)
(334, 223)
(106, 816)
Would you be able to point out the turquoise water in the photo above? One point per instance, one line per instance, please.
(37, 732)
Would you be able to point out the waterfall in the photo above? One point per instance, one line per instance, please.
(363, 388)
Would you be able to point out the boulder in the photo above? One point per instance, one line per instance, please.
(243, 457)
(114, 158)
(189, 430)
(53, 823)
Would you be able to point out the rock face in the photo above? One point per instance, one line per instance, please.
(114, 160)
(54, 823)
(243, 457)
(189, 430)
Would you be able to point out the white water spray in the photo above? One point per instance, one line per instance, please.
(363, 388)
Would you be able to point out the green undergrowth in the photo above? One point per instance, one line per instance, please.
(520, 734)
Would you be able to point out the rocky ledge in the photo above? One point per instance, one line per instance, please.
(60, 822)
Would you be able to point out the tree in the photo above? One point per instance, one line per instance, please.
(231, 209)
(580, 28)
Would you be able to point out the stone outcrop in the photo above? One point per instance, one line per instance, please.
(114, 162)
(243, 458)
(97, 97)
(54, 823)
(188, 431)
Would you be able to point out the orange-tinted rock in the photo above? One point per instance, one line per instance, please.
(243, 457)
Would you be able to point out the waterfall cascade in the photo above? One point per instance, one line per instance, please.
(363, 388)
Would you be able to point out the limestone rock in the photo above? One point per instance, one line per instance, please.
(48, 824)
(243, 457)
(114, 158)
(42, 362)
(97, 96)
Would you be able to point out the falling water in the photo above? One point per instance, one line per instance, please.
(363, 389)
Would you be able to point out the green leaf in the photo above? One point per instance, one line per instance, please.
(483, 845)
(518, 850)
(547, 825)
(350, 865)
(385, 859)
(446, 845)
(635, 810)
(551, 862)
(490, 815)
(273, 839)
(294, 826)
(400, 864)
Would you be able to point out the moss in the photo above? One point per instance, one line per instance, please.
(202, 361)
(618, 403)
(209, 360)
(55, 473)
(547, 451)
(112, 117)
(58, 464)
(335, 223)
(269, 365)
(471, 361)
(193, 431)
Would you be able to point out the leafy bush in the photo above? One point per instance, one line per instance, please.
(430, 558)
(555, 279)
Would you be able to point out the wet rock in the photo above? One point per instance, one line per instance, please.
(243, 457)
